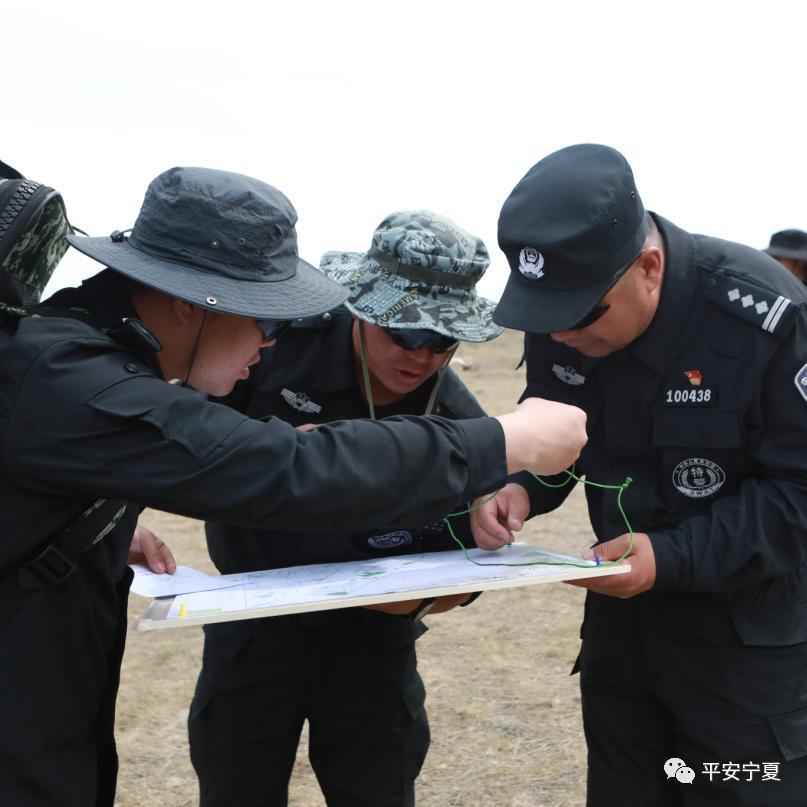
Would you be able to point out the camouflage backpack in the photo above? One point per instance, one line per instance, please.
(33, 226)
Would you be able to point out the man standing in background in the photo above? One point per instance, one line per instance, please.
(789, 247)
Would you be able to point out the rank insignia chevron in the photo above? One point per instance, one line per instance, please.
(765, 308)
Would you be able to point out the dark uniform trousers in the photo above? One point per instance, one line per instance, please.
(705, 412)
(351, 673)
(669, 676)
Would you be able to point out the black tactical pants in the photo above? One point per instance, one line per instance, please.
(668, 677)
(60, 655)
(350, 673)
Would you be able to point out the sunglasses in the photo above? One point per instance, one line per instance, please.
(591, 317)
(274, 328)
(601, 308)
(415, 338)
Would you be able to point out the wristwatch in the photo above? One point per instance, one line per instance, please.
(425, 606)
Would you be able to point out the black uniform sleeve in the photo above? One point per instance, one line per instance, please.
(543, 498)
(145, 441)
(760, 531)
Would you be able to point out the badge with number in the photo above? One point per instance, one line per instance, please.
(690, 396)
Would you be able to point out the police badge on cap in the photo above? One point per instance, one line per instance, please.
(531, 263)
(580, 213)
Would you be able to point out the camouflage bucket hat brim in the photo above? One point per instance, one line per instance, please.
(420, 272)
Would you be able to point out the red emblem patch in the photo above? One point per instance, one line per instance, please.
(694, 377)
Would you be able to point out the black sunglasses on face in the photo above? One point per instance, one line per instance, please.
(273, 328)
(591, 317)
(415, 338)
(601, 308)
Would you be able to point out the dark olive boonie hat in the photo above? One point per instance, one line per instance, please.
(568, 228)
(223, 241)
(788, 244)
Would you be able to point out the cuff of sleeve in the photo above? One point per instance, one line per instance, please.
(487, 455)
(672, 562)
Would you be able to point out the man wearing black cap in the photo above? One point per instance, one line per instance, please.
(789, 247)
(208, 276)
(689, 355)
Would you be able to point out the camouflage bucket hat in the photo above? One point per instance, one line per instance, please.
(420, 272)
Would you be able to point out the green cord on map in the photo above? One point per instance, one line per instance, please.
(569, 476)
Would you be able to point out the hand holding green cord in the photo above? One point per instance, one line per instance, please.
(496, 517)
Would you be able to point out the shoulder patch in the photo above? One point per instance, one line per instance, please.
(757, 304)
(801, 381)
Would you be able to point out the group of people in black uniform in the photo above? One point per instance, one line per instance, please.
(310, 415)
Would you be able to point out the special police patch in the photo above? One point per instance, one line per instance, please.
(390, 540)
(801, 381)
(568, 375)
(698, 477)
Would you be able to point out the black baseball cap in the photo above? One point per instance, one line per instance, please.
(788, 244)
(568, 228)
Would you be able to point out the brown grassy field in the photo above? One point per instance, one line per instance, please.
(504, 712)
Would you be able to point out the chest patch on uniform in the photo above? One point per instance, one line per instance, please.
(801, 381)
(568, 375)
(698, 477)
(390, 540)
(300, 401)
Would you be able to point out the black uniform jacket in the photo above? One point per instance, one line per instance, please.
(82, 416)
(707, 412)
(309, 377)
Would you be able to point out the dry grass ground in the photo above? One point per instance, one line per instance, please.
(504, 712)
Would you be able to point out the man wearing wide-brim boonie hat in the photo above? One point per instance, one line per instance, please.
(385, 353)
(419, 275)
(86, 415)
(689, 355)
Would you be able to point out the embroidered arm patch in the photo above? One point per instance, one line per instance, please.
(801, 381)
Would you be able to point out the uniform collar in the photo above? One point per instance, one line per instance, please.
(657, 343)
(105, 298)
(335, 355)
